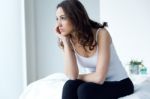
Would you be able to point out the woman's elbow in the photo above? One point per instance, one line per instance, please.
(72, 76)
(100, 80)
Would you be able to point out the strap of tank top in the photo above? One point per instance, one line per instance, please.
(97, 33)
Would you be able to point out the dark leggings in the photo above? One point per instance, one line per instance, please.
(78, 89)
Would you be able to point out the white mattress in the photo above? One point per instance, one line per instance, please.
(51, 88)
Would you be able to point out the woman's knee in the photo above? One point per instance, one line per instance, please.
(72, 83)
(90, 90)
(85, 90)
(69, 89)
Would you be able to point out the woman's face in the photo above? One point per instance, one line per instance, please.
(64, 25)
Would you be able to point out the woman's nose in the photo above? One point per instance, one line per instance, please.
(59, 23)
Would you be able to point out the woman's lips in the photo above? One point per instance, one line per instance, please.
(61, 30)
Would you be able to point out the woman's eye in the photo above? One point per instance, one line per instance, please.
(63, 18)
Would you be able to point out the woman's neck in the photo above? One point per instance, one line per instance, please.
(74, 37)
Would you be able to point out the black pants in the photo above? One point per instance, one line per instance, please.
(77, 89)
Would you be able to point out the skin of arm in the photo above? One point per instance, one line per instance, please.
(71, 68)
(99, 75)
(64, 28)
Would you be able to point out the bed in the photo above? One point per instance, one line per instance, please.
(50, 87)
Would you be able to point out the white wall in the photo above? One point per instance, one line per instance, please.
(48, 55)
(129, 26)
(30, 40)
(49, 58)
(12, 49)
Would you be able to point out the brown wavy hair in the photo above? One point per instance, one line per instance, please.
(83, 25)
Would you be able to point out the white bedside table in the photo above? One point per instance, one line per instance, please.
(136, 79)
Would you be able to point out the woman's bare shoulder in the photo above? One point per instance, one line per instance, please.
(103, 33)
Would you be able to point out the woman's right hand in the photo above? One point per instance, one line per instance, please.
(64, 39)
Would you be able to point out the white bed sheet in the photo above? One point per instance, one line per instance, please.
(51, 88)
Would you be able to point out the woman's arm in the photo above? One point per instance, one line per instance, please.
(104, 40)
(71, 68)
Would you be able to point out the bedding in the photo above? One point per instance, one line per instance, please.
(50, 87)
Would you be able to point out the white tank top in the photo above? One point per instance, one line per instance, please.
(116, 71)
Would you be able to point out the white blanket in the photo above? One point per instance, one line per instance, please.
(51, 88)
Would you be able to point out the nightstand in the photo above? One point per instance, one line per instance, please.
(136, 79)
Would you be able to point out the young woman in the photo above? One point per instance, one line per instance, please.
(88, 44)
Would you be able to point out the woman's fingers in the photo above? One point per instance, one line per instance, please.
(57, 29)
(58, 33)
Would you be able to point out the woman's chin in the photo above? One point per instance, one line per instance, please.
(64, 34)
